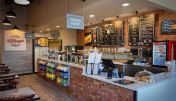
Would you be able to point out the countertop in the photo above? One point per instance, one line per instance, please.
(133, 87)
(138, 85)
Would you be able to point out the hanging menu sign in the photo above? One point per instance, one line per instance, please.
(133, 29)
(75, 21)
(146, 29)
(168, 26)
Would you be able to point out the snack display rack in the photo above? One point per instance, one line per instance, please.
(57, 72)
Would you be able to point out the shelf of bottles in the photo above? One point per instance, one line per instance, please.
(50, 68)
(63, 75)
(59, 73)
(42, 68)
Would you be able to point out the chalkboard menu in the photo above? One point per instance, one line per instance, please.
(168, 26)
(119, 33)
(133, 29)
(146, 29)
(108, 34)
(141, 30)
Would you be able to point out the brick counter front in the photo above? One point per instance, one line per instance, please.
(88, 89)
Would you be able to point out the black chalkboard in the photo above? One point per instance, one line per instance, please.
(133, 31)
(146, 29)
(119, 25)
(108, 35)
(168, 26)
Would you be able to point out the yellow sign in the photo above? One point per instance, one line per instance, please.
(41, 42)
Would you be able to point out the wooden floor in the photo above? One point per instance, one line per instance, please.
(45, 90)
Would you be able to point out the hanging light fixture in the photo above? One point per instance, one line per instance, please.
(23, 2)
(6, 22)
(15, 27)
(11, 14)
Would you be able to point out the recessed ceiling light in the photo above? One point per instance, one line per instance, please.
(125, 4)
(57, 26)
(91, 16)
(48, 29)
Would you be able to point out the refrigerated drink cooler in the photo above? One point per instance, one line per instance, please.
(163, 51)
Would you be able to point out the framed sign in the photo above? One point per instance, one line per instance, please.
(29, 35)
(15, 40)
(55, 44)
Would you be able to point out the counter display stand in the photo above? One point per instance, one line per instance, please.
(54, 72)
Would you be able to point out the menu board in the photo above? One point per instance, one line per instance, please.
(168, 26)
(146, 29)
(133, 29)
(141, 30)
(119, 33)
(108, 34)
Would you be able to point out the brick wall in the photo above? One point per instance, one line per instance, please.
(158, 18)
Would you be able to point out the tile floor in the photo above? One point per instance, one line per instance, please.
(45, 90)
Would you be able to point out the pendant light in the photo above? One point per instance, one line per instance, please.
(6, 22)
(15, 27)
(23, 2)
(11, 14)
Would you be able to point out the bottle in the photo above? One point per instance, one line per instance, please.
(115, 73)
